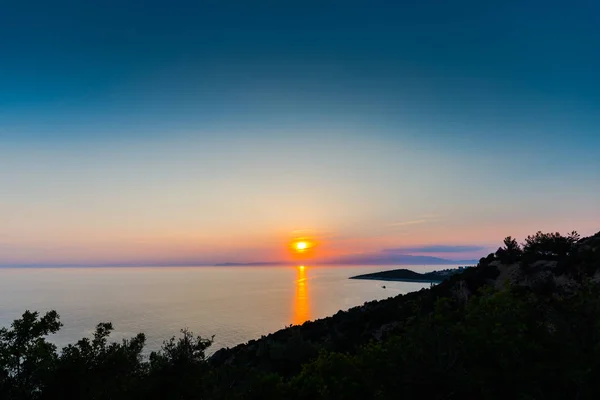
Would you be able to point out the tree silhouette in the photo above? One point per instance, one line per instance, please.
(26, 358)
(511, 252)
(550, 245)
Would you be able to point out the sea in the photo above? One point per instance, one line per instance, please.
(233, 304)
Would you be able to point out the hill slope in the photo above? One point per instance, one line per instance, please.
(544, 271)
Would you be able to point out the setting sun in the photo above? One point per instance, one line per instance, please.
(301, 246)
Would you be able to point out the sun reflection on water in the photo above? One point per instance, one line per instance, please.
(301, 305)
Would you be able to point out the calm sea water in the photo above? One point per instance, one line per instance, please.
(235, 304)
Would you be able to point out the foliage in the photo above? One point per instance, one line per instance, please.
(26, 358)
(511, 252)
(96, 369)
(179, 367)
(550, 245)
(502, 345)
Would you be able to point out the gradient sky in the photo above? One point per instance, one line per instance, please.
(211, 131)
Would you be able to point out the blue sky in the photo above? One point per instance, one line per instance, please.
(202, 131)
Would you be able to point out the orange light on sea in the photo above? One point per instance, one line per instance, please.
(301, 299)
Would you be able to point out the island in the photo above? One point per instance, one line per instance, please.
(406, 275)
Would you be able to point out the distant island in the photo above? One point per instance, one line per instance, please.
(251, 264)
(406, 275)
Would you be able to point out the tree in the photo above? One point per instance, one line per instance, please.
(26, 358)
(512, 246)
(97, 369)
(511, 252)
(179, 369)
(550, 245)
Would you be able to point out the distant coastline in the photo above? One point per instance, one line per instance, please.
(369, 278)
(253, 264)
(406, 275)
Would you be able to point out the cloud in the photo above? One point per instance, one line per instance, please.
(436, 248)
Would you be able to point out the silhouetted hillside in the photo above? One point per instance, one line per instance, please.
(550, 271)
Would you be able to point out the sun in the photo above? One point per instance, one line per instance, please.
(301, 246)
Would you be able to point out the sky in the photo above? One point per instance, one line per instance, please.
(180, 132)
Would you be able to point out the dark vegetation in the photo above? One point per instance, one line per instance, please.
(523, 324)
